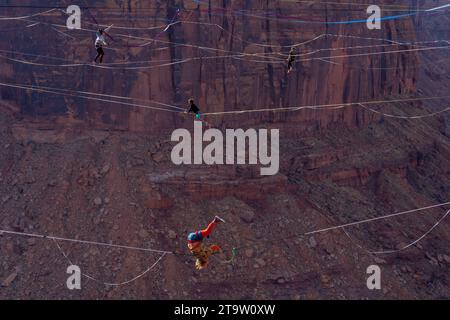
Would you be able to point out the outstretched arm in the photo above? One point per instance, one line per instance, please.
(209, 229)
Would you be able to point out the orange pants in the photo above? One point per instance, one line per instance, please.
(208, 230)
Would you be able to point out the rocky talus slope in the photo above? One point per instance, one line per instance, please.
(99, 171)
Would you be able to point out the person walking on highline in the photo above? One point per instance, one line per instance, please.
(291, 60)
(99, 43)
(192, 108)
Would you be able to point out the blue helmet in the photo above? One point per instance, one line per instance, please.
(195, 236)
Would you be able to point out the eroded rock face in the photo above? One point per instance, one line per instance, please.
(67, 174)
(218, 84)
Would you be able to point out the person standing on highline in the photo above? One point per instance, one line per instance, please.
(192, 108)
(99, 43)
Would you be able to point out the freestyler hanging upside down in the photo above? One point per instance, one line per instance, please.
(200, 251)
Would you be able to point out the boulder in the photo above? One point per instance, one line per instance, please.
(98, 201)
(9, 279)
(312, 242)
(105, 169)
(172, 234)
(247, 215)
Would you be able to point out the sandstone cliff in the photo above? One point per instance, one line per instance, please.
(99, 171)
